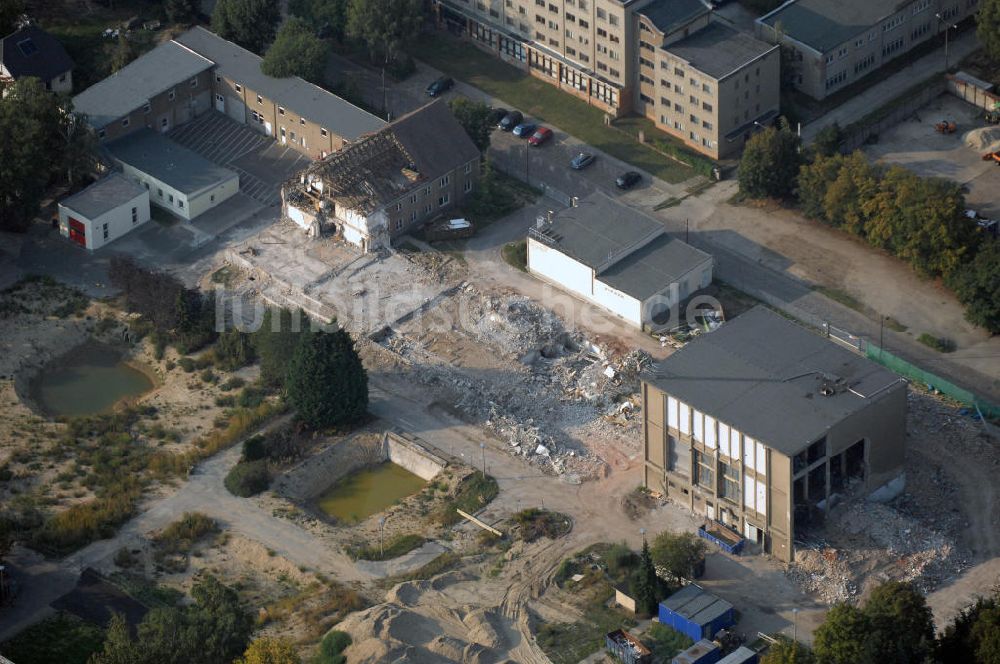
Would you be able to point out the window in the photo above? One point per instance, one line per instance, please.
(170, 198)
(147, 107)
(443, 200)
(601, 14)
(135, 214)
(218, 78)
(684, 415)
(468, 186)
(706, 106)
(239, 88)
(445, 181)
(413, 198)
(705, 475)
(101, 133)
(322, 132)
(678, 72)
(399, 224)
(613, 20)
(125, 122)
(211, 198)
(302, 121)
(281, 111)
(194, 82)
(413, 215)
(105, 229)
(427, 191)
(260, 100)
(427, 209)
(171, 95)
(159, 192)
(468, 168)
(180, 203)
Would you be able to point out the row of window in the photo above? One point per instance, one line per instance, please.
(836, 79)
(713, 434)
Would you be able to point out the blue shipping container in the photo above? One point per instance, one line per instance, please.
(696, 613)
(703, 652)
(741, 655)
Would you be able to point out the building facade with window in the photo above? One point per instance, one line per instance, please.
(758, 424)
(417, 168)
(30, 51)
(833, 43)
(104, 211)
(199, 71)
(178, 180)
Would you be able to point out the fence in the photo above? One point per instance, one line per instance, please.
(967, 90)
(858, 133)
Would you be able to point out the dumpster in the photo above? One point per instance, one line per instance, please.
(722, 537)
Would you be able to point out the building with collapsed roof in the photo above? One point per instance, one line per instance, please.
(617, 258)
(418, 167)
(757, 424)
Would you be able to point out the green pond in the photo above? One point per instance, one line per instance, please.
(88, 380)
(370, 490)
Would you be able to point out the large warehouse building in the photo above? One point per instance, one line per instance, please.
(617, 258)
(757, 424)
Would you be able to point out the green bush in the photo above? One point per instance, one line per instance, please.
(187, 364)
(250, 397)
(247, 478)
(940, 344)
(254, 448)
(331, 647)
(181, 535)
(394, 548)
(232, 383)
(233, 350)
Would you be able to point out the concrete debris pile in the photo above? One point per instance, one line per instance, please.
(870, 543)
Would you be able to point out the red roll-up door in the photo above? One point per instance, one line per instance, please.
(77, 232)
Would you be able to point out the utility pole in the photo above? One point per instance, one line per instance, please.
(687, 231)
(795, 628)
(482, 446)
(881, 335)
(527, 177)
(947, 28)
(381, 538)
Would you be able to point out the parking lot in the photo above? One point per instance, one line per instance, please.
(263, 165)
(916, 145)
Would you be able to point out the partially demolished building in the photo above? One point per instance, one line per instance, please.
(416, 168)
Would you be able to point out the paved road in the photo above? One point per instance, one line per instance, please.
(896, 84)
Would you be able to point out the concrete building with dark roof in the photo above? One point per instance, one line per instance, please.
(617, 258)
(834, 43)
(198, 71)
(758, 424)
(32, 52)
(618, 55)
(104, 211)
(178, 180)
(416, 168)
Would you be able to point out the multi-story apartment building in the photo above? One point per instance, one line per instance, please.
(759, 423)
(699, 80)
(198, 71)
(836, 42)
(418, 167)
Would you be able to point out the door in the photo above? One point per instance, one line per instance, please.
(268, 129)
(77, 232)
(220, 103)
(201, 102)
(237, 110)
(165, 124)
(283, 136)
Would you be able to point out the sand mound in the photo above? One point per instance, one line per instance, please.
(442, 581)
(449, 648)
(408, 593)
(984, 139)
(481, 628)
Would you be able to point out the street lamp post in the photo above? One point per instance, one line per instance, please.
(795, 626)
(482, 446)
(642, 531)
(947, 28)
(381, 539)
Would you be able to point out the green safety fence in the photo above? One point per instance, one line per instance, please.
(913, 373)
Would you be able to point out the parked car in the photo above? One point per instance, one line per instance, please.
(582, 160)
(440, 86)
(541, 135)
(510, 121)
(496, 115)
(525, 129)
(628, 180)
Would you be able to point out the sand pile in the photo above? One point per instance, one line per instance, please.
(984, 139)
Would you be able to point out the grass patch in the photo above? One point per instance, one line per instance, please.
(666, 642)
(673, 201)
(497, 196)
(472, 494)
(940, 344)
(895, 325)
(515, 254)
(444, 562)
(534, 523)
(63, 638)
(394, 548)
(543, 101)
(224, 275)
(568, 643)
(843, 298)
(181, 535)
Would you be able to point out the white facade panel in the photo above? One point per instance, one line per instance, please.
(760, 462)
(116, 222)
(672, 412)
(696, 421)
(685, 417)
(749, 491)
(560, 269)
(618, 303)
(207, 200)
(710, 432)
(734, 443)
(761, 498)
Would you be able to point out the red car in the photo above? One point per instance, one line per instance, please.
(541, 135)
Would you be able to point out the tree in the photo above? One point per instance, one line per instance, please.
(249, 23)
(977, 287)
(182, 11)
(296, 51)
(119, 647)
(770, 163)
(270, 650)
(10, 13)
(275, 342)
(856, 182)
(646, 583)
(331, 646)
(973, 637)
(329, 17)
(247, 478)
(385, 26)
(786, 651)
(122, 53)
(474, 116)
(327, 384)
(827, 141)
(988, 26)
(814, 181)
(843, 638)
(678, 554)
(233, 350)
(901, 624)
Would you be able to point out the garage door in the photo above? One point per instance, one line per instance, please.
(77, 232)
(202, 102)
(236, 109)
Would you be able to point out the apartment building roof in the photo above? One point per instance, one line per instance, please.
(166, 66)
(825, 24)
(305, 99)
(172, 164)
(772, 379)
(103, 196)
(718, 50)
(669, 15)
(412, 151)
(31, 51)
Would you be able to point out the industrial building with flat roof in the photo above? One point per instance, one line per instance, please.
(757, 424)
(833, 43)
(618, 258)
(104, 211)
(178, 179)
